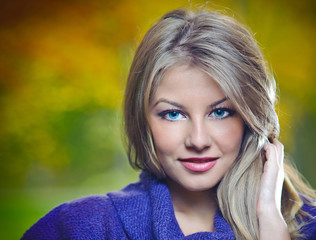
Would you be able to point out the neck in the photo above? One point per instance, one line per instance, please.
(193, 206)
(184, 200)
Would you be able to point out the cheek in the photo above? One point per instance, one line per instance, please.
(167, 137)
(228, 136)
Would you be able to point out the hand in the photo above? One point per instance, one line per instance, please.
(272, 177)
(271, 222)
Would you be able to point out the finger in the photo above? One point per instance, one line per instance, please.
(273, 174)
(280, 152)
(274, 152)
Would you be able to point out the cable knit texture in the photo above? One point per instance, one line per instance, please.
(142, 210)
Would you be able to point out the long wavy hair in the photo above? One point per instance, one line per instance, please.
(226, 51)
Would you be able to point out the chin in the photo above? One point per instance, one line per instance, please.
(199, 187)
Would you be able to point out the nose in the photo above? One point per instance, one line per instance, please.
(198, 137)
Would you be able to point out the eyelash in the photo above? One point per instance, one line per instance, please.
(230, 112)
(164, 113)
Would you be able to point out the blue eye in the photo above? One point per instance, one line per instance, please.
(219, 113)
(222, 113)
(173, 115)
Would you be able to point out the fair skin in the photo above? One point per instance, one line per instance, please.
(197, 135)
(269, 201)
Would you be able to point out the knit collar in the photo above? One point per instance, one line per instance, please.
(149, 214)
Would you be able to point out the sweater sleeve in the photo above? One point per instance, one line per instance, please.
(92, 217)
(309, 229)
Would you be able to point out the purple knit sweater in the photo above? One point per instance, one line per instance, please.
(142, 210)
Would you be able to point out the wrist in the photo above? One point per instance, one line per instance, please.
(272, 223)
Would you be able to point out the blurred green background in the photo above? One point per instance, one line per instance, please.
(63, 66)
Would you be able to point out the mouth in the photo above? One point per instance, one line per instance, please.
(198, 164)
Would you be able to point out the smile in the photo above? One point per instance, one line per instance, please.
(198, 164)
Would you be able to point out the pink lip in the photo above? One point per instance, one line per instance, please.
(198, 164)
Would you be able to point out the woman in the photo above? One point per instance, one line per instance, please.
(201, 124)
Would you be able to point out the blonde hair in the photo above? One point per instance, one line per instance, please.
(224, 49)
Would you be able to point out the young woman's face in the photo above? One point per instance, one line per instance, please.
(197, 132)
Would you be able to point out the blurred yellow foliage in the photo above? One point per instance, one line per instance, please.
(63, 67)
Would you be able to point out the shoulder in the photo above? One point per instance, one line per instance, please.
(130, 192)
(94, 217)
(78, 218)
(135, 198)
(309, 228)
(92, 207)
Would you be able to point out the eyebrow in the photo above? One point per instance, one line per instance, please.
(213, 105)
(169, 102)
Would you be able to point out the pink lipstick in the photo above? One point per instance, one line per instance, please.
(198, 164)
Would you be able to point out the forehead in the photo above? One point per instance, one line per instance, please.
(188, 81)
